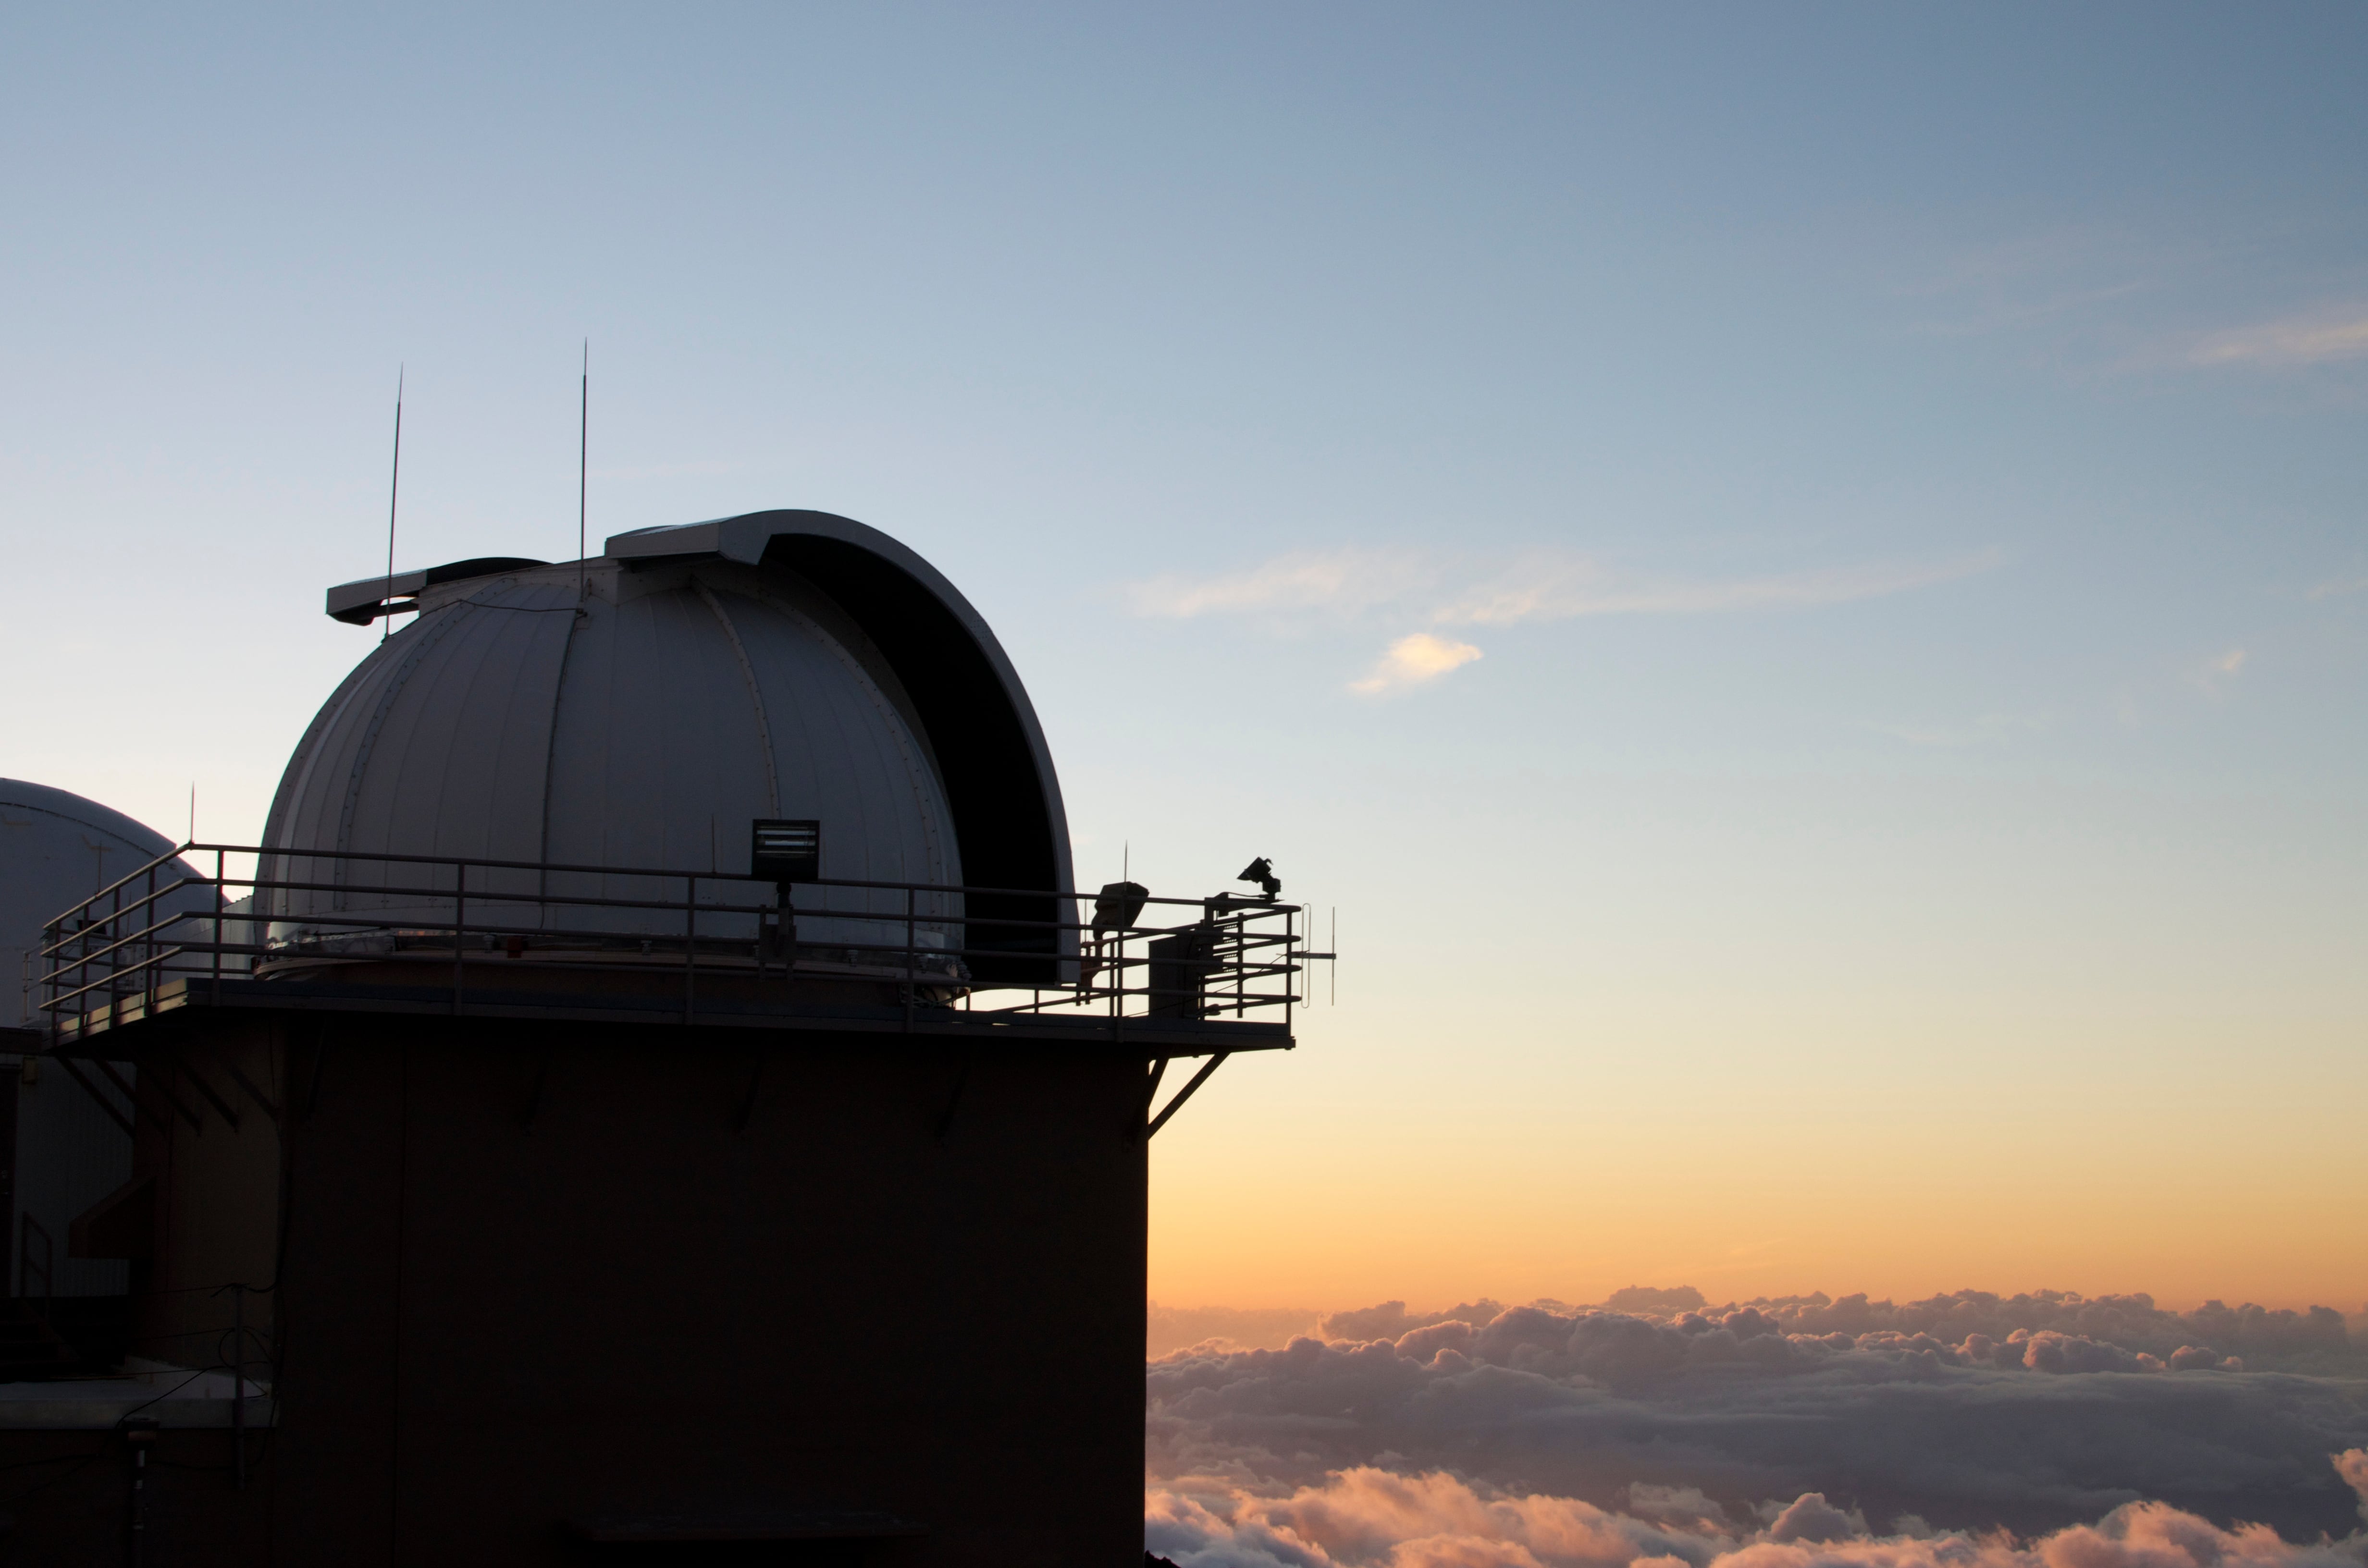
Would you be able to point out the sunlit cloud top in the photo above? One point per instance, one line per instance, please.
(1415, 660)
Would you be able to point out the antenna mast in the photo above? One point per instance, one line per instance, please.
(394, 490)
(583, 457)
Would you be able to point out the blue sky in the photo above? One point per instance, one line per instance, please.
(1899, 470)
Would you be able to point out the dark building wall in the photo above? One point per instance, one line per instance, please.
(534, 1274)
(68, 1498)
(212, 1194)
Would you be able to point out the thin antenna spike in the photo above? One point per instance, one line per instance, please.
(583, 464)
(193, 810)
(393, 493)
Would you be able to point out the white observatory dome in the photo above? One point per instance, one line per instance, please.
(56, 849)
(782, 665)
(70, 1138)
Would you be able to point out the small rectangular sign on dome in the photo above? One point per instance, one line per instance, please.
(785, 849)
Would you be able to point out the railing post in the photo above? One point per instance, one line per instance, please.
(220, 935)
(54, 978)
(114, 964)
(689, 942)
(912, 961)
(1241, 960)
(148, 943)
(1291, 965)
(460, 924)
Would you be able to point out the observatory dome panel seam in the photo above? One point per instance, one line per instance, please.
(465, 744)
(756, 698)
(511, 688)
(895, 806)
(296, 778)
(399, 664)
(688, 725)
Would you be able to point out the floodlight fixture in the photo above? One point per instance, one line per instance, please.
(1118, 906)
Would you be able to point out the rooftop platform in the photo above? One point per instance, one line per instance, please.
(101, 1032)
(184, 938)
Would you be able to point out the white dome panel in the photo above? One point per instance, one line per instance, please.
(645, 729)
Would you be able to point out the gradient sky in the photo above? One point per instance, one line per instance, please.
(1798, 574)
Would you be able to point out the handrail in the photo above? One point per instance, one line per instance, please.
(1238, 956)
(482, 863)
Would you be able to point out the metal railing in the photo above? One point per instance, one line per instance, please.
(471, 926)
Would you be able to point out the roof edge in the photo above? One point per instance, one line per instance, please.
(360, 602)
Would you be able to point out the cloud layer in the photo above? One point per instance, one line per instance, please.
(1175, 1328)
(2133, 1325)
(2040, 1413)
(1370, 1517)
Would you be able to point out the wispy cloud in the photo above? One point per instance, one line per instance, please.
(2318, 339)
(1346, 581)
(1562, 588)
(2033, 280)
(2098, 299)
(2338, 588)
(1539, 586)
(1431, 587)
(1415, 660)
(2218, 670)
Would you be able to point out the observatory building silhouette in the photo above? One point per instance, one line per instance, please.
(65, 1129)
(655, 1094)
